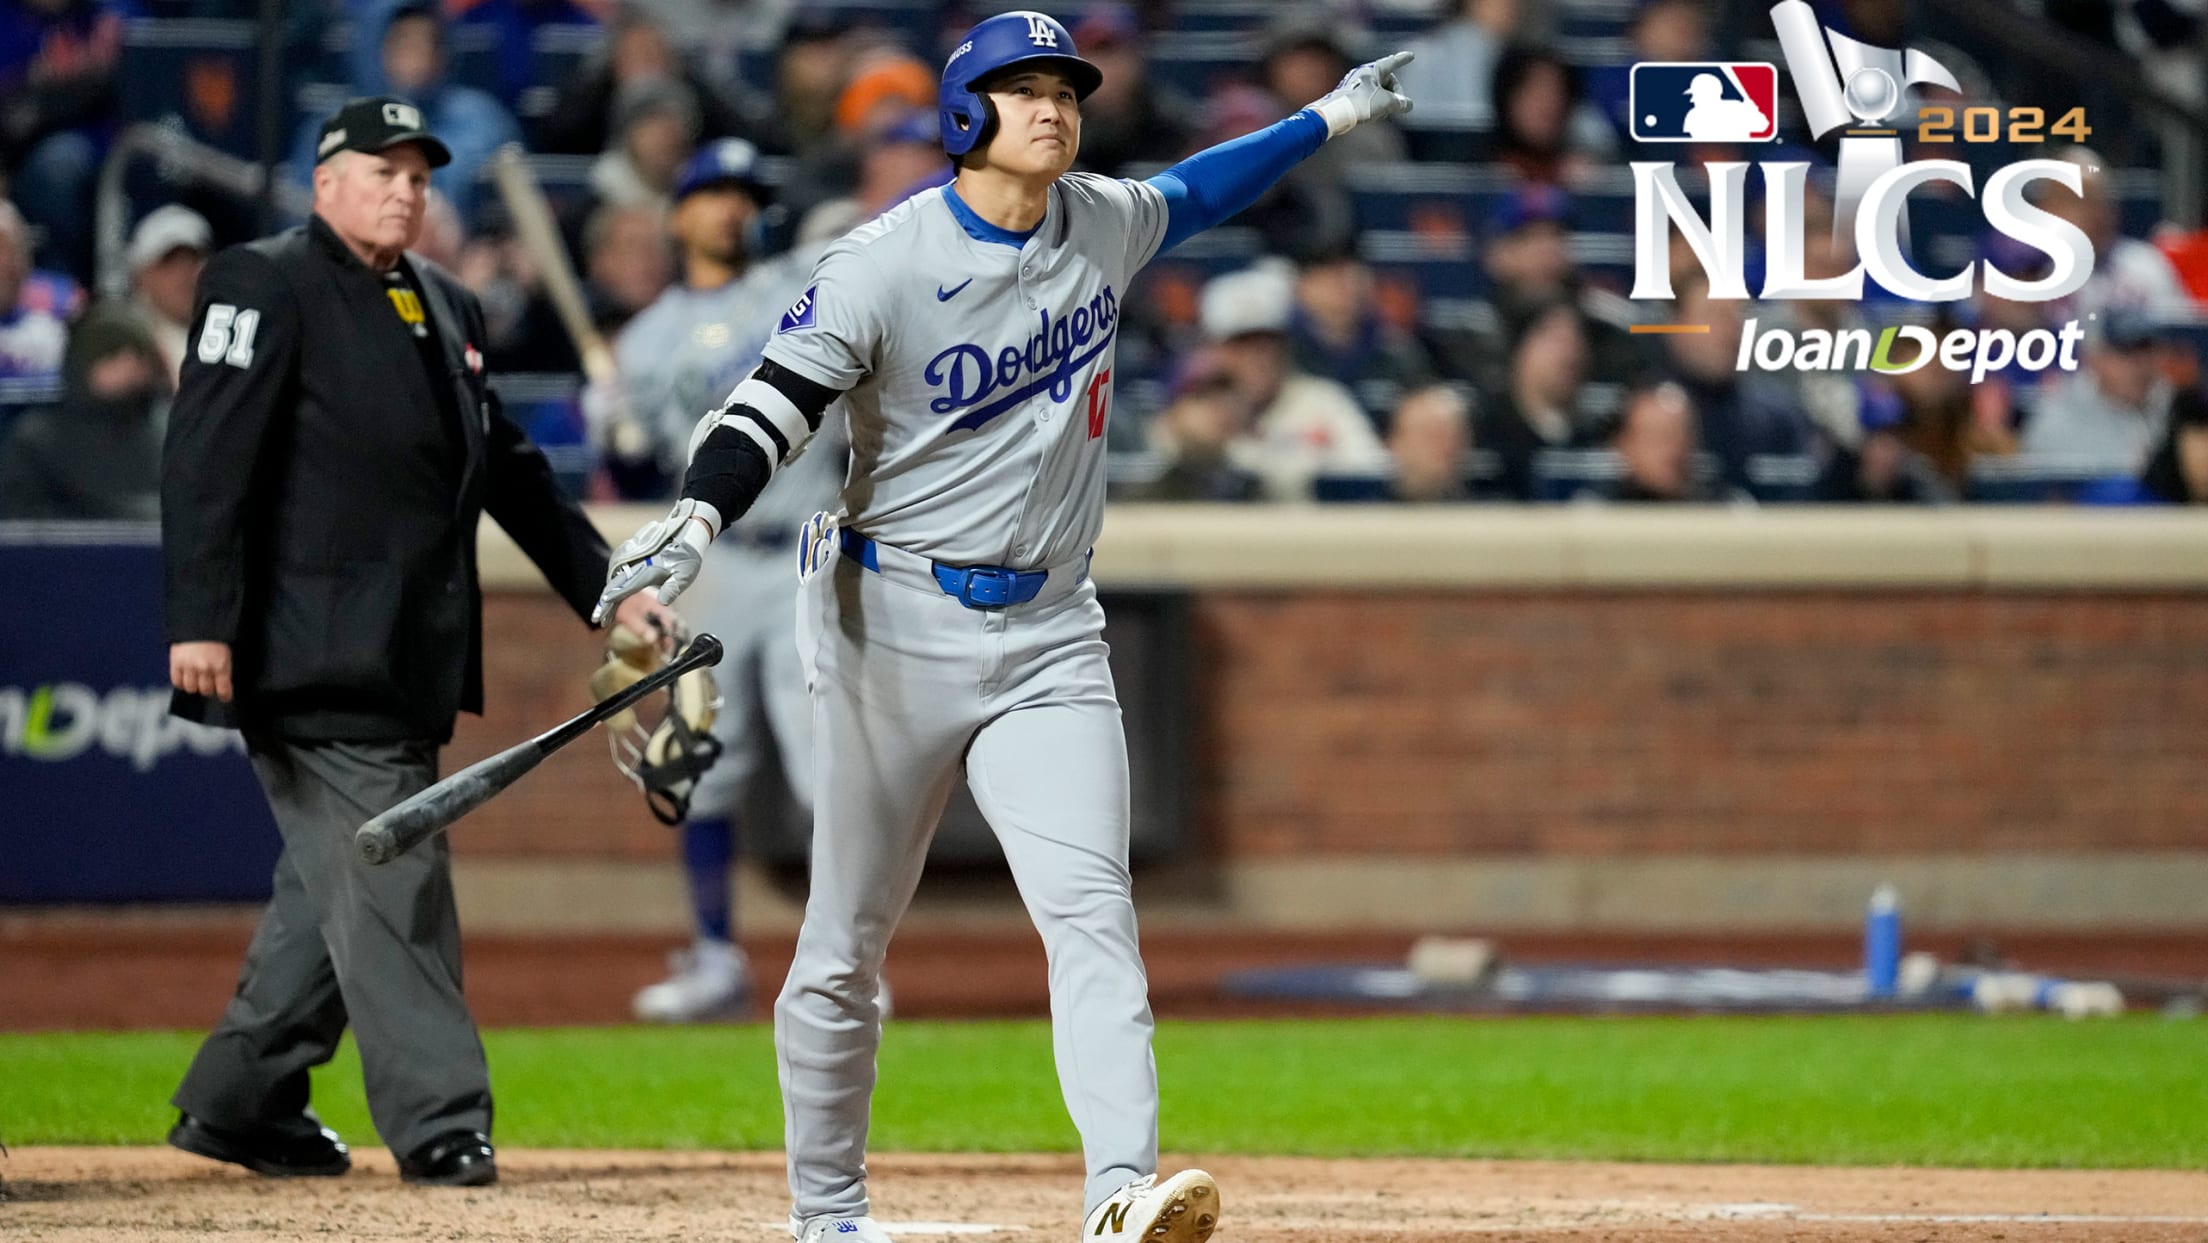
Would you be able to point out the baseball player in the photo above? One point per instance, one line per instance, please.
(946, 618)
(676, 358)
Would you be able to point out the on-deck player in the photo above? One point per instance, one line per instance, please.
(688, 347)
(946, 618)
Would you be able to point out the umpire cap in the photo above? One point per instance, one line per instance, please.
(729, 161)
(376, 124)
(1007, 39)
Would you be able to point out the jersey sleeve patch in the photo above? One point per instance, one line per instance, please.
(802, 313)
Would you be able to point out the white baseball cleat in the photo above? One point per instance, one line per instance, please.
(1182, 1209)
(711, 980)
(838, 1230)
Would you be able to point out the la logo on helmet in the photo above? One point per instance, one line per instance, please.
(1871, 197)
(1039, 32)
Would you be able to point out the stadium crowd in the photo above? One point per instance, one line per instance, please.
(1431, 312)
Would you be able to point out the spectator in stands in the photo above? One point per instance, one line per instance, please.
(716, 32)
(906, 159)
(1300, 213)
(886, 85)
(1662, 30)
(655, 133)
(166, 252)
(1453, 75)
(97, 454)
(1305, 57)
(1201, 439)
(2005, 398)
(1129, 119)
(1539, 409)
(809, 72)
(1655, 443)
(1744, 414)
(2179, 472)
(1527, 256)
(2127, 272)
(406, 59)
(1878, 464)
(32, 333)
(58, 61)
(1828, 399)
(586, 120)
(1939, 421)
(627, 261)
(1337, 332)
(2109, 418)
(1300, 426)
(1430, 439)
(1543, 130)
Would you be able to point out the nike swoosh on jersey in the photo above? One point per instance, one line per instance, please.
(945, 295)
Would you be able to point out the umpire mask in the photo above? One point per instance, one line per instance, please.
(664, 746)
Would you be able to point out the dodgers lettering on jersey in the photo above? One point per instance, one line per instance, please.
(977, 373)
(986, 387)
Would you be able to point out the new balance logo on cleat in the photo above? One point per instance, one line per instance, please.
(1182, 1209)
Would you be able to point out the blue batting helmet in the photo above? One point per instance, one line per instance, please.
(1006, 39)
(728, 161)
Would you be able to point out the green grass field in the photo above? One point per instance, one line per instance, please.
(1930, 1090)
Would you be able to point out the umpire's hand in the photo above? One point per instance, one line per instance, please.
(201, 668)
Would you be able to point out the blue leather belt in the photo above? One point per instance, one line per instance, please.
(975, 586)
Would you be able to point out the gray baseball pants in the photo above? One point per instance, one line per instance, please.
(911, 690)
(343, 941)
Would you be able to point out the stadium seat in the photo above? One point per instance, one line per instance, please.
(1197, 64)
(2030, 479)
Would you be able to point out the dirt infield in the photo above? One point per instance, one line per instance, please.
(74, 1195)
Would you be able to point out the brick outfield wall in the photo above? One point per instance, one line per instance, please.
(1584, 724)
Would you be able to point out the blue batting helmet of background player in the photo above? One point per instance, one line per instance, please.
(728, 161)
(1007, 39)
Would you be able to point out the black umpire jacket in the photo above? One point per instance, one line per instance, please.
(319, 510)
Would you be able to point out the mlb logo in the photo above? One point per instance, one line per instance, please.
(1705, 101)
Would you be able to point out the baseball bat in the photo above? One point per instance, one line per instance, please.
(534, 224)
(433, 810)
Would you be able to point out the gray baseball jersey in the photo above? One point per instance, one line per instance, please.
(976, 369)
(977, 375)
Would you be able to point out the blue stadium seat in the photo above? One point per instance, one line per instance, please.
(1438, 266)
(2029, 479)
(1198, 64)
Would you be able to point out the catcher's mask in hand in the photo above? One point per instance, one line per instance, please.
(663, 749)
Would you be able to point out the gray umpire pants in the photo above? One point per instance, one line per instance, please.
(912, 690)
(345, 941)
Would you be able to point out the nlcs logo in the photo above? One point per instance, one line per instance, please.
(1704, 101)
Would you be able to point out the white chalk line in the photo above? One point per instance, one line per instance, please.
(1788, 1212)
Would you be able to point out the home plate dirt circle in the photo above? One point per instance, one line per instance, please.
(138, 1195)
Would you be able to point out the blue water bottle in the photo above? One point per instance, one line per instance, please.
(1882, 943)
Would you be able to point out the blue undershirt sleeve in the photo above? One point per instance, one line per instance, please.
(1215, 184)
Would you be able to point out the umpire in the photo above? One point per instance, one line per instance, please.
(332, 446)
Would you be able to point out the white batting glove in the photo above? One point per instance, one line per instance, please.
(1368, 93)
(666, 554)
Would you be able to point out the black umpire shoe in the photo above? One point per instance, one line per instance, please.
(454, 1159)
(306, 1150)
